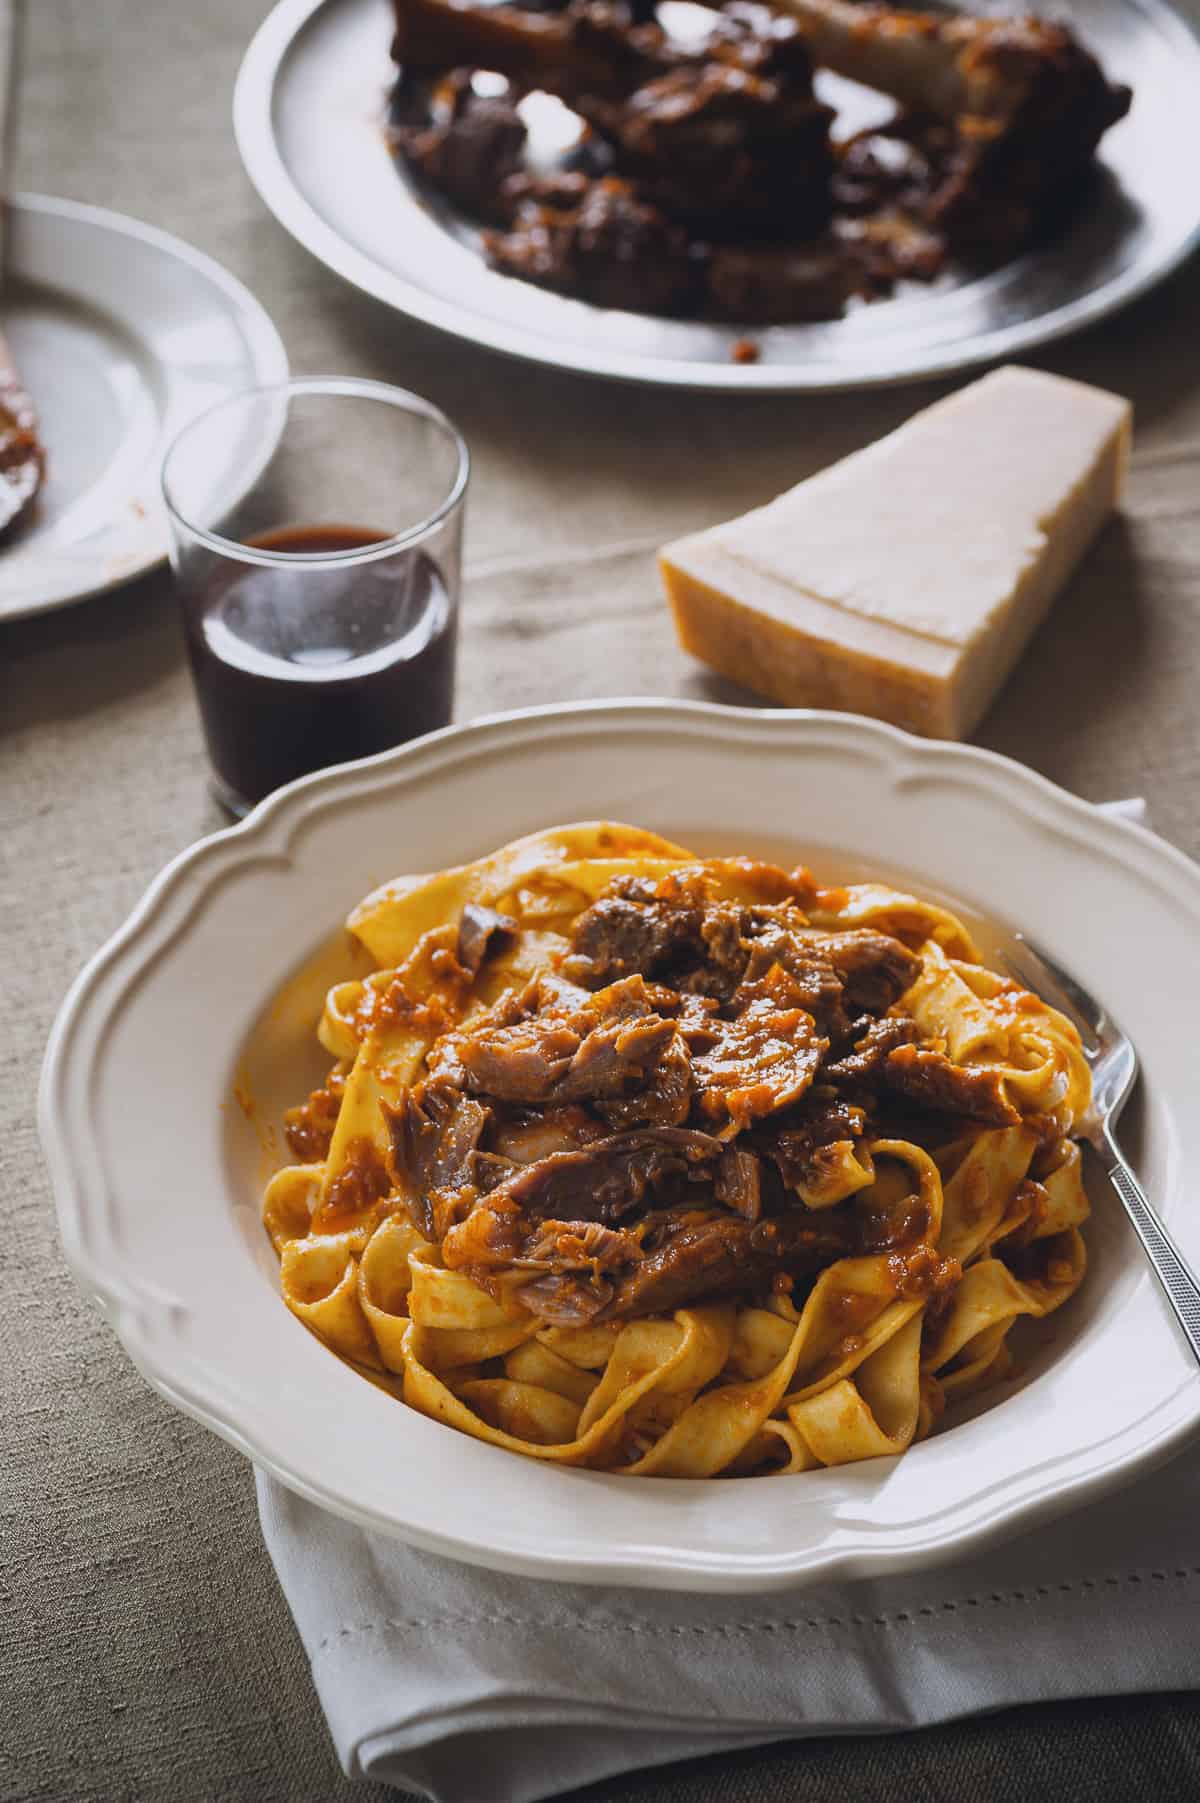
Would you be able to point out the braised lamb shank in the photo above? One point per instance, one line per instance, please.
(705, 179)
(1000, 120)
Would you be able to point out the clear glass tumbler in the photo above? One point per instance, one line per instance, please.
(316, 540)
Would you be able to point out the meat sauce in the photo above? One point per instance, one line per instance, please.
(308, 1129)
(362, 1180)
(642, 1130)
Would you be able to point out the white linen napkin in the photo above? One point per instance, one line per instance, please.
(467, 1686)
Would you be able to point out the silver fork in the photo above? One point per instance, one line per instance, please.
(1114, 1068)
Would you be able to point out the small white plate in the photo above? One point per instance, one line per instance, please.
(158, 1171)
(121, 334)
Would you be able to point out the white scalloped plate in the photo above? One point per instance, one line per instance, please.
(157, 1171)
(122, 334)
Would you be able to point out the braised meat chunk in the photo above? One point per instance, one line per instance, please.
(728, 152)
(797, 1145)
(738, 1181)
(875, 968)
(599, 240)
(563, 1050)
(723, 1255)
(634, 928)
(1013, 73)
(469, 145)
(435, 1144)
(479, 930)
(767, 1054)
(862, 1066)
(574, 1270)
(608, 1178)
(1001, 117)
(928, 1077)
(764, 284)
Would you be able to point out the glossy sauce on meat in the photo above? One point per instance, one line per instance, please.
(363, 1179)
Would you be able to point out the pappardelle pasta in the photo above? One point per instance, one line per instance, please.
(671, 1166)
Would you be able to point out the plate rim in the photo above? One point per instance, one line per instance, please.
(267, 355)
(267, 831)
(253, 103)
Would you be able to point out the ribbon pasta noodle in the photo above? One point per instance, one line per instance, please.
(678, 1167)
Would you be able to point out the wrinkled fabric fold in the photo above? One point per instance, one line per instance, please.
(470, 1686)
(466, 1686)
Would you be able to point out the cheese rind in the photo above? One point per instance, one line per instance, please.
(904, 581)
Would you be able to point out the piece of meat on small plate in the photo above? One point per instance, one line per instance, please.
(22, 458)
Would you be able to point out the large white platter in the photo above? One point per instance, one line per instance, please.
(309, 113)
(158, 1172)
(122, 334)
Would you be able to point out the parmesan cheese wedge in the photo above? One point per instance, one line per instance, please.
(904, 581)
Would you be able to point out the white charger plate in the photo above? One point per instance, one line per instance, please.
(309, 113)
(121, 334)
(213, 986)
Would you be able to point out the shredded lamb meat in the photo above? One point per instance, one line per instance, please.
(874, 1040)
(727, 1256)
(479, 931)
(928, 1077)
(655, 1122)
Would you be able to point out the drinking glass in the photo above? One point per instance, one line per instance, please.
(316, 541)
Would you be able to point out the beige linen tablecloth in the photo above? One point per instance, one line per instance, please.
(145, 1651)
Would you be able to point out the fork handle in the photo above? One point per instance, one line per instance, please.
(1170, 1267)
